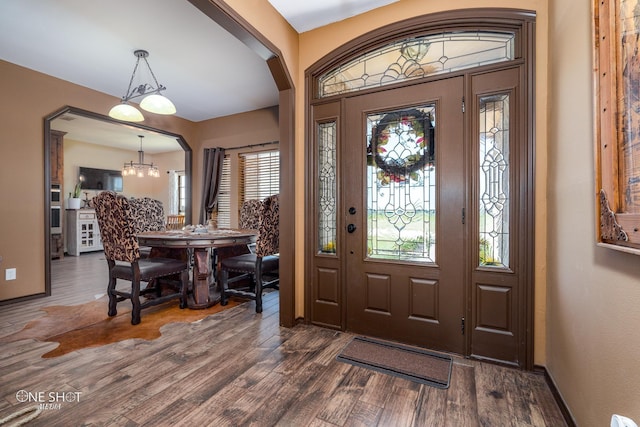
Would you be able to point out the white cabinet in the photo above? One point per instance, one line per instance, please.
(83, 234)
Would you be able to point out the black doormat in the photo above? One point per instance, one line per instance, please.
(410, 363)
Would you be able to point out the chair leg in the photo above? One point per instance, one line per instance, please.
(113, 298)
(135, 301)
(156, 286)
(184, 281)
(224, 277)
(258, 285)
(252, 282)
(258, 295)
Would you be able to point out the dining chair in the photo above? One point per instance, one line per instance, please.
(147, 215)
(175, 222)
(122, 252)
(249, 219)
(261, 265)
(250, 214)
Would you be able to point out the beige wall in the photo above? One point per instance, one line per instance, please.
(593, 306)
(239, 130)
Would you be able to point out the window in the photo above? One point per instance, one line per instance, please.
(249, 176)
(417, 58)
(259, 175)
(223, 211)
(182, 193)
(494, 176)
(177, 193)
(327, 136)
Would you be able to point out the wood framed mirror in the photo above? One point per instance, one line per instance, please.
(99, 132)
(617, 120)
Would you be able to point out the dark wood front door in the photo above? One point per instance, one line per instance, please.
(404, 192)
(420, 202)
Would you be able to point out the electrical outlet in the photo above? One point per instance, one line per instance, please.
(10, 274)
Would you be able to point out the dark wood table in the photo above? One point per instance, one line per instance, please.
(204, 293)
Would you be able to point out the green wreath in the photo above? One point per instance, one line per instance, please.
(420, 123)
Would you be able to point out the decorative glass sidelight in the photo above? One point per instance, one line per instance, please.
(494, 180)
(327, 187)
(401, 180)
(418, 57)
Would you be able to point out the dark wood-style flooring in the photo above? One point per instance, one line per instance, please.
(238, 368)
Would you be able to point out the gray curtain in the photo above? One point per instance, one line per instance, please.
(212, 174)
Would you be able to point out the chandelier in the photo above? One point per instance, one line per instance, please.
(153, 101)
(139, 169)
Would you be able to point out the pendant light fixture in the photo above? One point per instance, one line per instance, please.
(141, 167)
(153, 100)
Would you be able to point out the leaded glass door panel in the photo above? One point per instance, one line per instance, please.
(498, 235)
(404, 188)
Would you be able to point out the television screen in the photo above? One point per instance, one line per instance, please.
(100, 179)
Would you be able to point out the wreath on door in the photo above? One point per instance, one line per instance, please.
(410, 130)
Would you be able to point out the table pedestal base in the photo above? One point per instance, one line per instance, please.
(203, 295)
(203, 291)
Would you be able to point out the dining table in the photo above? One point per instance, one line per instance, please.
(199, 243)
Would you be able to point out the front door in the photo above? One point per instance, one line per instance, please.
(420, 194)
(403, 192)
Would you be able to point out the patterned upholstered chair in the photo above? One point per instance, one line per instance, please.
(249, 219)
(250, 214)
(262, 265)
(121, 249)
(147, 215)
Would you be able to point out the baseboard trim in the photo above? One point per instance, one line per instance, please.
(564, 409)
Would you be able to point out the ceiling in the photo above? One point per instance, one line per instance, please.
(305, 15)
(114, 135)
(208, 73)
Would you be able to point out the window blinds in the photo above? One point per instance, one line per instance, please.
(260, 175)
(224, 195)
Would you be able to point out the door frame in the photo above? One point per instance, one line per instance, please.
(522, 22)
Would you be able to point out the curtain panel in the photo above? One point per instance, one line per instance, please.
(212, 175)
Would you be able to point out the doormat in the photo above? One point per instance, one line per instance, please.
(411, 363)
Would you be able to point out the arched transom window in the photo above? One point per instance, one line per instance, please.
(418, 57)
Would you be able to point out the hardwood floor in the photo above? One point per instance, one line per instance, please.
(239, 368)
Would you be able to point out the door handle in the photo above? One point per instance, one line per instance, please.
(351, 228)
(352, 210)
